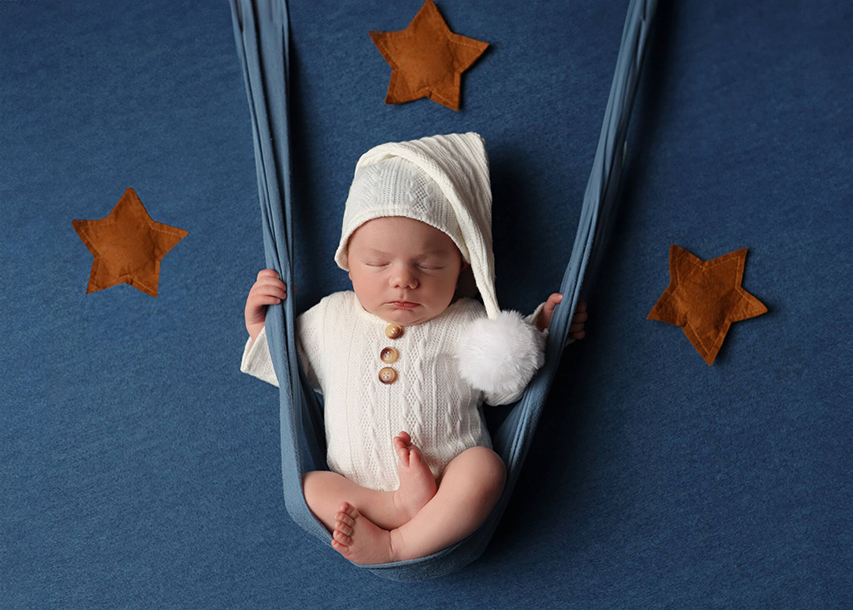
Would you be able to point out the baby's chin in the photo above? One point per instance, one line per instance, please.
(405, 316)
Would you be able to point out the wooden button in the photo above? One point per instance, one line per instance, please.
(394, 331)
(389, 355)
(387, 375)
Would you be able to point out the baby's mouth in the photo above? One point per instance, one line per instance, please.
(403, 304)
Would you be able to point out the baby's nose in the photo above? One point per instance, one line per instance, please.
(404, 279)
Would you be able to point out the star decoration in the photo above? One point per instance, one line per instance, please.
(705, 297)
(427, 59)
(127, 246)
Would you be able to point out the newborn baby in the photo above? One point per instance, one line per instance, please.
(404, 353)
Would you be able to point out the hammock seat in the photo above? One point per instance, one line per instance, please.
(261, 29)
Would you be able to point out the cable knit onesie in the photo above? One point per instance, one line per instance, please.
(375, 384)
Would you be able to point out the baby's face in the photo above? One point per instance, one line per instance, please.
(403, 270)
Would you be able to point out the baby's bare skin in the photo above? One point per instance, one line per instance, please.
(324, 491)
(422, 516)
(417, 485)
(470, 487)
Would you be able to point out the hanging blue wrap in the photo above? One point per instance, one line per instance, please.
(261, 30)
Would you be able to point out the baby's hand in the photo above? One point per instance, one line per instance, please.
(576, 330)
(267, 290)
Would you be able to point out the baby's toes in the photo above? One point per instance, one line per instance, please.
(402, 451)
(345, 517)
(344, 520)
(415, 457)
(342, 538)
(347, 513)
(343, 549)
(344, 528)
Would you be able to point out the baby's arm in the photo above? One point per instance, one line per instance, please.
(576, 330)
(267, 290)
(257, 360)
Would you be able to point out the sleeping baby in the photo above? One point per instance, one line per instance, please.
(404, 363)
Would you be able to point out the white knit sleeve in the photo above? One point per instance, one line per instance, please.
(531, 319)
(257, 361)
(502, 399)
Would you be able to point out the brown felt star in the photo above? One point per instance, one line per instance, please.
(127, 246)
(705, 297)
(427, 59)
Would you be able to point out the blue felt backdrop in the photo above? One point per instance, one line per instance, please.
(140, 469)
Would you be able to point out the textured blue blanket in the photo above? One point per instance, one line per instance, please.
(140, 469)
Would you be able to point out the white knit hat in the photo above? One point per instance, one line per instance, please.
(443, 181)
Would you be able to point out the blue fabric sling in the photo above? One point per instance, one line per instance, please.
(261, 29)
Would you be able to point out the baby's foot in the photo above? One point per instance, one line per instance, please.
(417, 485)
(359, 539)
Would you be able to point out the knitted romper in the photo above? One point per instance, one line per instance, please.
(343, 349)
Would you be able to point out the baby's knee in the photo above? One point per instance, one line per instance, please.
(491, 471)
(320, 497)
(313, 487)
(496, 470)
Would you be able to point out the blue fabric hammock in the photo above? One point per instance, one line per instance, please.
(262, 32)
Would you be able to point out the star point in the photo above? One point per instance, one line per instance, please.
(127, 245)
(705, 298)
(427, 59)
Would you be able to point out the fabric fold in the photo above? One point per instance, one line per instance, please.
(262, 35)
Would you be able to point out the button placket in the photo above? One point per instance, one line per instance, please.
(393, 331)
(389, 355)
(387, 375)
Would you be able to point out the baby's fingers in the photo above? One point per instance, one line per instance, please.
(266, 299)
(260, 293)
(267, 273)
(267, 283)
(277, 289)
(552, 302)
(576, 329)
(543, 321)
(269, 277)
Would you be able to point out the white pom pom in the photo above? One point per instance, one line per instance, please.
(500, 356)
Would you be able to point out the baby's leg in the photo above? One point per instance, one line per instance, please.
(417, 485)
(470, 487)
(325, 490)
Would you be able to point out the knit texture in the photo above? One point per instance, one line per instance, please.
(396, 187)
(429, 399)
(459, 168)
